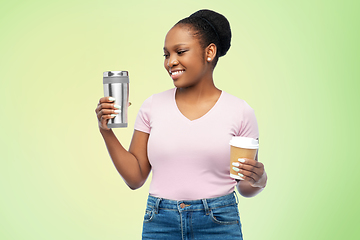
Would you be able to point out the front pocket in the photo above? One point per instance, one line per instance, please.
(149, 215)
(225, 215)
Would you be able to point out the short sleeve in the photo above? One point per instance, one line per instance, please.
(143, 119)
(249, 126)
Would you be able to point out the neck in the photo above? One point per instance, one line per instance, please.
(204, 90)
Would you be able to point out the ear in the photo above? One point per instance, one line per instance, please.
(210, 52)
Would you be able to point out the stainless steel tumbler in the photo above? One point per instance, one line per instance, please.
(116, 85)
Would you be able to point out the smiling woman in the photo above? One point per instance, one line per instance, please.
(182, 135)
(184, 57)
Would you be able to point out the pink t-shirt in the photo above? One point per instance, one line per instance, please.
(191, 159)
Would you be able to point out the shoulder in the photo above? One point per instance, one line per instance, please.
(161, 96)
(235, 102)
(242, 115)
(158, 99)
(165, 94)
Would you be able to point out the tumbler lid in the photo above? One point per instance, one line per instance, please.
(115, 74)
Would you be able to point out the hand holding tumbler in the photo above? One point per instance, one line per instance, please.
(116, 85)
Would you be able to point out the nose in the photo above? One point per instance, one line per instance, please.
(172, 61)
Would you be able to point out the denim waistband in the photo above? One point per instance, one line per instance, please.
(192, 205)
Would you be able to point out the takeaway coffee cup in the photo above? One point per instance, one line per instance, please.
(241, 147)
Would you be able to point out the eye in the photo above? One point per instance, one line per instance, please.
(180, 52)
(166, 55)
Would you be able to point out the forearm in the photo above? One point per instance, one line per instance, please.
(246, 190)
(125, 162)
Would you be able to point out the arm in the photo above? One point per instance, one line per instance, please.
(254, 175)
(132, 165)
(255, 178)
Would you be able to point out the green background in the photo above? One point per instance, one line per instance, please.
(295, 62)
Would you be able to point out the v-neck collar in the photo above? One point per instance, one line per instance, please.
(200, 118)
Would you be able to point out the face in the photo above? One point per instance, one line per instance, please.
(184, 57)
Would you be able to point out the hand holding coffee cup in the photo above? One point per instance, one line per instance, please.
(243, 165)
(252, 171)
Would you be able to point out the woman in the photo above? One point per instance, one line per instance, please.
(183, 136)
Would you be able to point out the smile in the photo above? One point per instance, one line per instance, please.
(176, 72)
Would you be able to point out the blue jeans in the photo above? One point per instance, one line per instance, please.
(211, 219)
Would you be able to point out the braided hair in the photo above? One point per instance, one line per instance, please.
(209, 27)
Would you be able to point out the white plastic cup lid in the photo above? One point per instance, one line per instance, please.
(244, 142)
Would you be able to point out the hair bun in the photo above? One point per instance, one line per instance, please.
(221, 26)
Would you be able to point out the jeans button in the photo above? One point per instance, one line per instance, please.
(182, 205)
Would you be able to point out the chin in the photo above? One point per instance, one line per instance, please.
(179, 84)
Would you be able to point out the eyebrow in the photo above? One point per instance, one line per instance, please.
(177, 45)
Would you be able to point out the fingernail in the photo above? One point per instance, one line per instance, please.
(117, 111)
(113, 115)
(117, 106)
(236, 164)
(241, 160)
(240, 174)
(236, 169)
(111, 99)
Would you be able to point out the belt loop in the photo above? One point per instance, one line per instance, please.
(236, 196)
(207, 211)
(157, 205)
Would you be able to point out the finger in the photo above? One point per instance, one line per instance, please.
(106, 106)
(107, 117)
(245, 174)
(250, 175)
(249, 168)
(104, 120)
(107, 113)
(250, 162)
(106, 100)
(258, 169)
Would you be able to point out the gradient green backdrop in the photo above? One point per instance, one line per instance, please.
(295, 62)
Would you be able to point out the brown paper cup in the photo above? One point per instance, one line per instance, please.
(241, 147)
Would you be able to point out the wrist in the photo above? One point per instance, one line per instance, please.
(263, 181)
(105, 131)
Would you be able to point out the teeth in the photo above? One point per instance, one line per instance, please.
(177, 72)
